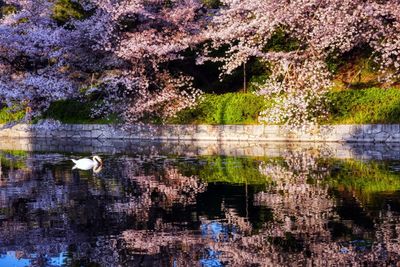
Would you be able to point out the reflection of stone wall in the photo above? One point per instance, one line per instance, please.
(333, 133)
(364, 151)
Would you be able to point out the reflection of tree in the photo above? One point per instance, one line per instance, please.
(302, 232)
(162, 189)
(388, 235)
(304, 210)
(43, 202)
(154, 211)
(299, 206)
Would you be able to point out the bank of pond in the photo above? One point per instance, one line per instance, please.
(351, 106)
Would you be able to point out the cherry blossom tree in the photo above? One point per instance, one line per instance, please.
(117, 51)
(322, 29)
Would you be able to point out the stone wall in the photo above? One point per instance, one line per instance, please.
(377, 133)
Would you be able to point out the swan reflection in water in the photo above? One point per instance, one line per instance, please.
(85, 164)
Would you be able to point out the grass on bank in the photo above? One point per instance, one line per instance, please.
(66, 111)
(73, 111)
(8, 115)
(372, 105)
(351, 106)
(229, 108)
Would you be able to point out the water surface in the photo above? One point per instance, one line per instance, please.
(302, 207)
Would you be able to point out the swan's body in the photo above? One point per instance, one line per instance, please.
(87, 164)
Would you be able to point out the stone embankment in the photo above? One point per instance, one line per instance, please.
(376, 133)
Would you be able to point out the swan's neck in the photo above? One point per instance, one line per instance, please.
(97, 160)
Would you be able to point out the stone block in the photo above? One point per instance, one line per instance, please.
(272, 129)
(373, 128)
(96, 134)
(168, 133)
(207, 132)
(394, 137)
(395, 128)
(186, 132)
(91, 127)
(381, 137)
(78, 127)
(86, 134)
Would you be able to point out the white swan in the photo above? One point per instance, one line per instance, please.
(87, 164)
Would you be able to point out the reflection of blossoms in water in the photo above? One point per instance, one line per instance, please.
(242, 224)
(163, 189)
(293, 197)
(147, 210)
(63, 202)
(300, 207)
(388, 236)
(304, 211)
(178, 188)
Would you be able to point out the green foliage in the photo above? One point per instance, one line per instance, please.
(257, 80)
(373, 105)
(7, 9)
(10, 115)
(333, 63)
(64, 10)
(73, 111)
(212, 3)
(230, 108)
(281, 41)
(258, 72)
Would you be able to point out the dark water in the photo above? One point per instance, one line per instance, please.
(154, 210)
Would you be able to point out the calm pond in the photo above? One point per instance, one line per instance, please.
(301, 206)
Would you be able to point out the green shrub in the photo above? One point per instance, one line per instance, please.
(281, 41)
(74, 111)
(212, 3)
(7, 9)
(230, 108)
(372, 105)
(9, 115)
(64, 10)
